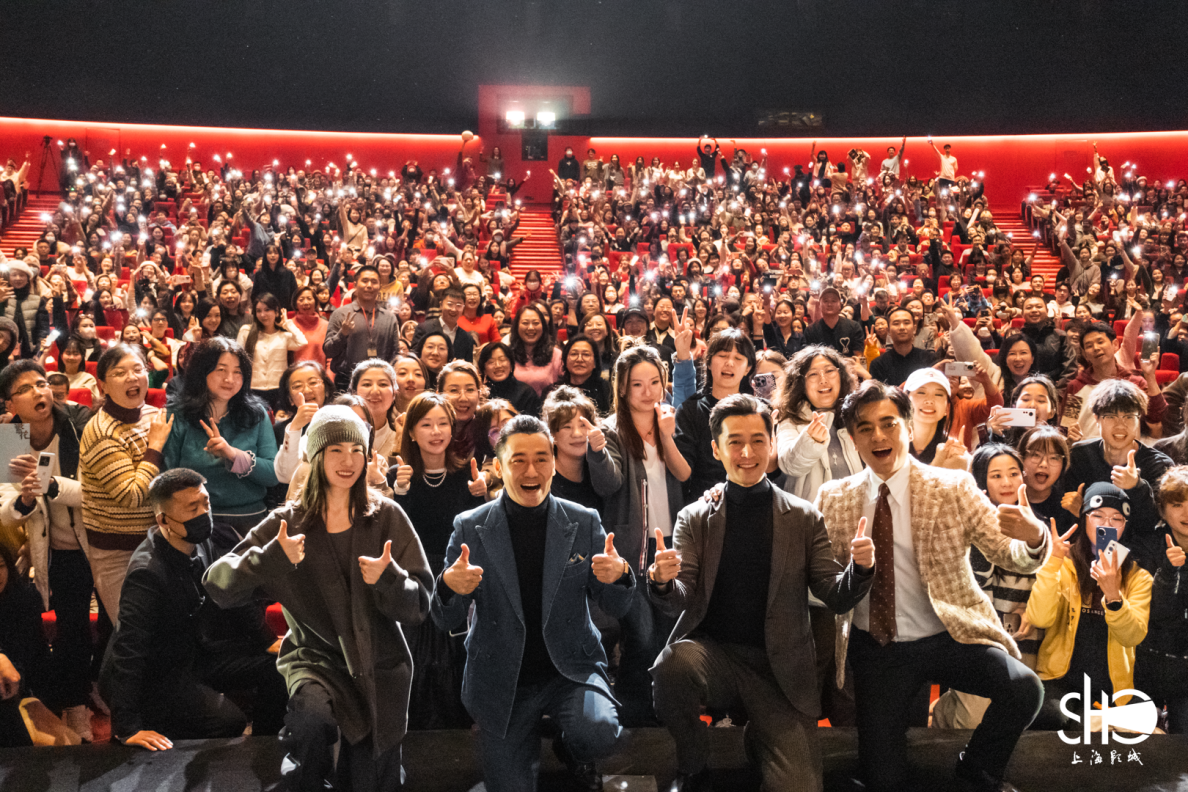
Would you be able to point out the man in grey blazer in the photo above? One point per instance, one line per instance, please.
(533, 648)
(738, 577)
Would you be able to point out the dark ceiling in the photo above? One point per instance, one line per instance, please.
(670, 67)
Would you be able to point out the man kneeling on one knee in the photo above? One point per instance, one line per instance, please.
(738, 578)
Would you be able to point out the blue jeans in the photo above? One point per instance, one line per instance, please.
(584, 715)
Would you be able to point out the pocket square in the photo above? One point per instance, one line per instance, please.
(577, 558)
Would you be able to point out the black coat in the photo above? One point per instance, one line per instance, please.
(461, 349)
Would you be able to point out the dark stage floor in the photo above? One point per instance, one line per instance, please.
(446, 762)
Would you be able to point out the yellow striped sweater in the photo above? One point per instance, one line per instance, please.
(116, 466)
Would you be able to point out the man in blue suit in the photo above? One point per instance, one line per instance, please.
(533, 649)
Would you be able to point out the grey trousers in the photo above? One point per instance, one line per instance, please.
(782, 740)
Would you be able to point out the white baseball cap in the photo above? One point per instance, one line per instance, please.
(921, 377)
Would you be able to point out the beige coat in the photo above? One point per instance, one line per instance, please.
(949, 513)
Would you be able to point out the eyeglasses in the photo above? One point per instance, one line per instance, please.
(126, 374)
(1117, 521)
(815, 376)
(1119, 418)
(24, 389)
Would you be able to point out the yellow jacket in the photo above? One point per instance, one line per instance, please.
(1055, 605)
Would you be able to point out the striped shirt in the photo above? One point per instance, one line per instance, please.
(116, 466)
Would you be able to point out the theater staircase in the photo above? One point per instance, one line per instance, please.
(29, 226)
(1010, 221)
(540, 250)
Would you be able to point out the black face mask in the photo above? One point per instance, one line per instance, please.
(198, 529)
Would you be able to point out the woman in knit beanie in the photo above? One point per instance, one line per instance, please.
(365, 575)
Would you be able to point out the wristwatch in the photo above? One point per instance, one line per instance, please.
(626, 566)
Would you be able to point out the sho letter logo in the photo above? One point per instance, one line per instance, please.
(1138, 716)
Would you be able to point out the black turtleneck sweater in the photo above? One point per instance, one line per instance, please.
(737, 611)
(529, 528)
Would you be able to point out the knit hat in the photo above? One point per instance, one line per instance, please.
(921, 377)
(1100, 494)
(633, 313)
(335, 423)
(22, 265)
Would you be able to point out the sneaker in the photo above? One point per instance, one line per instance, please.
(78, 719)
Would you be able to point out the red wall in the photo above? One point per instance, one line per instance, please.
(1011, 164)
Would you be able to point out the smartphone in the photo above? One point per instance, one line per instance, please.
(1150, 345)
(45, 471)
(1019, 416)
(1105, 536)
(959, 369)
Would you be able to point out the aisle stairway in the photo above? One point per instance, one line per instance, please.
(1007, 218)
(540, 250)
(29, 226)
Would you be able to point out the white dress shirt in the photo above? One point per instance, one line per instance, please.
(915, 617)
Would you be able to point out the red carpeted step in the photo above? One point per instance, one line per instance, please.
(28, 227)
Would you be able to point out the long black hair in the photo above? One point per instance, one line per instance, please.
(193, 403)
(542, 352)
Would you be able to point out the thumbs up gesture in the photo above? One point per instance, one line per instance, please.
(373, 568)
(862, 549)
(403, 475)
(478, 481)
(1019, 522)
(667, 565)
(1072, 501)
(1125, 476)
(294, 546)
(461, 577)
(607, 565)
(1175, 553)
(305, 411)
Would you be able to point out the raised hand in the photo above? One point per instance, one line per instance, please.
(683, 338)
(305, 412)
(217, 445)
(1106, 570)
(403, 475)
(159, 429)
(997, 422)
(1072, 501)
(665, 419)
(1061, 543)
(1019, 522)
(348, 325)
(377, 470)
(817, 430)
(461, 577)
(153, 741)
(862, 549)
(667, 565)
(1175, 553)
(373, 568)
(294, 546)
(1125, 476)
(594, 435)
(608, 566)
(478, 481)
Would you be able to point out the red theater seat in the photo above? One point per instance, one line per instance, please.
(82, 396)
(155, 397)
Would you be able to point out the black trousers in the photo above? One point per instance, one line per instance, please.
(779, 738)
(643, 632)
(886, 678)
(13, 733)
(1165, 680)
(309, 736)
(71, 586)
(192, 706)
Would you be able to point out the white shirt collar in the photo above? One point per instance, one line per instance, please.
(899, 483)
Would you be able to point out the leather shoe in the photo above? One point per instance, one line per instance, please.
(972, 779)
(692, 782)
(585, 775)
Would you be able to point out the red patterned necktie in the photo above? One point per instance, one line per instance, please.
(882, 592)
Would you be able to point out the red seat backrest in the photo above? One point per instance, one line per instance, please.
(1169, 361)
(82, 396)
(155, 397)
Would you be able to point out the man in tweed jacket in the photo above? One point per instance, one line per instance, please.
(927, 621)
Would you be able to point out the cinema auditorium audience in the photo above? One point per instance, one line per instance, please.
(358, 361)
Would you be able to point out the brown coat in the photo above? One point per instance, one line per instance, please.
(949, 513)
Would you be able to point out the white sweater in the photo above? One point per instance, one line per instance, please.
(272, 354)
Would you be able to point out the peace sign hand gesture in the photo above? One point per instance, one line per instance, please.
(374, 568)
(217, 445)
(1061, 543)
(478, 481)
(608, 566)
(1125, 476)
(683, 338)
